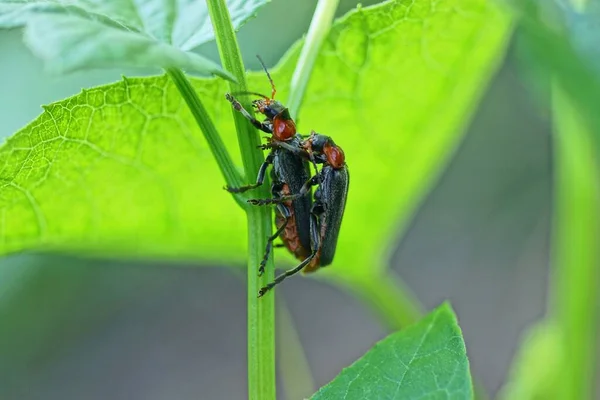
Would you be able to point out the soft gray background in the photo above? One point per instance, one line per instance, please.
(139, 331)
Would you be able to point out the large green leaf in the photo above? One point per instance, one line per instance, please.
(427, 360)
(123, 170)
(82, 34)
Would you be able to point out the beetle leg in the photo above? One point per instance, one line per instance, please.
(286, 213)
(314, 229)
(262, 171)
(263, 126)
(265, 146)
(314, 163)
(276, 200)
(278, 245)
(288, 147)
(294, 150)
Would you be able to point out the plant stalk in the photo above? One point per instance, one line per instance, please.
(577, 254)
(216, 145)
(261, 311)
(318, 30)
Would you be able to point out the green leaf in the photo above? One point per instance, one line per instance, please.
(119, 170)
(75, 35)
(427, 360)
(123, 169)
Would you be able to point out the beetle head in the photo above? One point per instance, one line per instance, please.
(268, 107)
(325, 149)
(283, 125)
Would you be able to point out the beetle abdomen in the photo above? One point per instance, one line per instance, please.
(290, 236)
(292, 171)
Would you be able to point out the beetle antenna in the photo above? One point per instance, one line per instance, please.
(273, 90)
(250, 93)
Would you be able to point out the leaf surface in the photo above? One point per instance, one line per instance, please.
(122, 169)
(85, 34)
(427, 360)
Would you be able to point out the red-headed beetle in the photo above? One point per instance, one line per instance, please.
(329, 204)
(289, 173)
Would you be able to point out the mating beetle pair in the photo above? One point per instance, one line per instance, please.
(308, 229)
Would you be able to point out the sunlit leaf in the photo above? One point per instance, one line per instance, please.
(123, 170)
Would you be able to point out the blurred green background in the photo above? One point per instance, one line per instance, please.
(87, 329)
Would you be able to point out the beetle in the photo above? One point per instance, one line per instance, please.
(289, 173)
(329, 204)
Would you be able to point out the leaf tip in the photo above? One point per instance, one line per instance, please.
(446, 306)
(446, 309)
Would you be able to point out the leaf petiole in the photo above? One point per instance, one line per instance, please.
(217, 147)
(319, 28)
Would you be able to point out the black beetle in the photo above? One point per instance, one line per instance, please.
(331, 194)
(289, 174)
(329, 204)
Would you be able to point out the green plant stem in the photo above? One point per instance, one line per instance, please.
(261, 312)
(261, 318)
(577, 253)
(319, 28)
(216, 145)
(231, 58)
